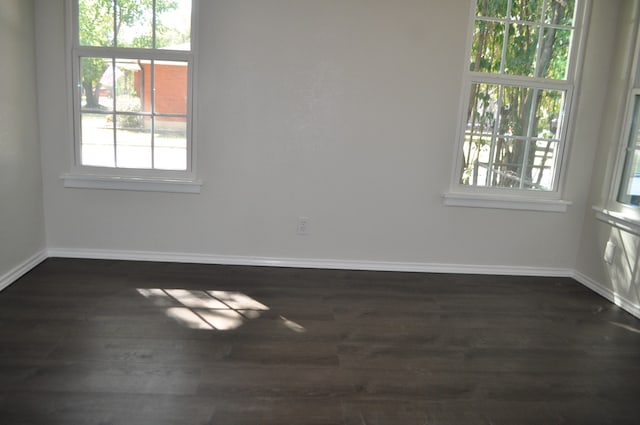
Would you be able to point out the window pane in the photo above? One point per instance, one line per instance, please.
(486, 50)
(548, 114)
(527, 10)
(141, 86)
(508, 159)
(554, 54)
(97, 78)
(540, 170)
(515, 110)
(134, 21)
(495, 8)
(630, 187)
(170, 147)
(128, 90)
(95, 22)
(97, 140)
(527, 54)
(482, 111)
(514, 163)
(173, 30)
(560, 12)
(133, 142)
(513, 157)
(476, 160)
(629, 192)
(171, 79)
(522, 49)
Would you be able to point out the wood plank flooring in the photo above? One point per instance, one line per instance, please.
(132, 343)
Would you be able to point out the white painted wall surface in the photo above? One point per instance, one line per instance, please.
(343, 111)
(621, 278)
(22, 235)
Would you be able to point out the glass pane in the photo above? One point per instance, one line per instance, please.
(508, 159)
(548, 114)
(527, 10)
(560, 12)
(170, 143)
(133, 142)
(541, 166)
(630, 188)
(173, 28)
(515, 158)
(521, 50)
(494, 8)
(137, 84)
(96, 76)
(629, 192)
(482, 109)
(476, 160)
(171, 80)
(515, 110)
(486, 50)
(95, 22)
(97, 140)
(128, 90)
(134, 22)
(554, 54)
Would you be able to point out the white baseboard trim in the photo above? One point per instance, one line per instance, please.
(309, 263)
(21, 269)
(392, 266)
(608, 294)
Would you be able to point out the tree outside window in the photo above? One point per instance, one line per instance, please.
(133, 61)
(520, 86)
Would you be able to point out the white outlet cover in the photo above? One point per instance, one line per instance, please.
(609, 252)
(303, 226)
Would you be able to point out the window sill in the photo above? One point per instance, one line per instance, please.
(144, 184)
(504, 202)
(617, 219)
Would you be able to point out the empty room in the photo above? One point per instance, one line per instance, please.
(319, 212)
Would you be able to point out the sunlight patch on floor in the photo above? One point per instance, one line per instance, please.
(626, 327)
(211, 309)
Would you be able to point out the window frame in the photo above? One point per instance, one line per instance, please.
(138, 179)
(460, 194)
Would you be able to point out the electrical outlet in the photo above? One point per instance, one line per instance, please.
(303, 226)
(609, 252)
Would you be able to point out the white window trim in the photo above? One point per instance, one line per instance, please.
(89, 177)
(489, 200)
(617, 219)
(87, 181)
(517, 199)
(613, 212)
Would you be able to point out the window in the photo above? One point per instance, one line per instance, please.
(629, 190)
(517, 96)
(132, 63)
(621, 207)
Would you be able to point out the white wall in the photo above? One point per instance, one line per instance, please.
(343, 111)
(22, 234)
(621, 279)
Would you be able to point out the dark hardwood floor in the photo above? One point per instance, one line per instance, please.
(113, 342)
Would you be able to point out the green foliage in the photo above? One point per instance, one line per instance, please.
(99, 26)
(95, 22)
(102, 23)
(503, 46)
(494, 8)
